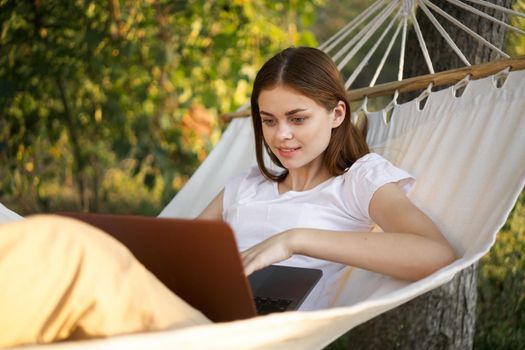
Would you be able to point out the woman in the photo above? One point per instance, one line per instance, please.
(319, 209)
(316, 211)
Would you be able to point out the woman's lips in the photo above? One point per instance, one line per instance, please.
(287, 152)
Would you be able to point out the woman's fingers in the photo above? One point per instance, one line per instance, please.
(270, 251)
(251, 261)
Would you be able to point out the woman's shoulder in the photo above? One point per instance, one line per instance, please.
(369, 173)
(373, 170)
(368, 162)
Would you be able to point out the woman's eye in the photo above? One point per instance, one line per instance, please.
(298, 120)
(268, 122)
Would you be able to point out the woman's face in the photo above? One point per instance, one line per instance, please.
(295, 127)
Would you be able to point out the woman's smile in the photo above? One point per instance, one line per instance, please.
(287, 152)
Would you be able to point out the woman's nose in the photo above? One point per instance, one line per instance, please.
(284, 132)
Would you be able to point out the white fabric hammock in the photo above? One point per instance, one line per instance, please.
(468, 155)
(7, 215)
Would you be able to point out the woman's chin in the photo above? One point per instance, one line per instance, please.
(291, 165)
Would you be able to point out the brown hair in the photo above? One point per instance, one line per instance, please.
(313, 74)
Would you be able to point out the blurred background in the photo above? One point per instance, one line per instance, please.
(110, 106)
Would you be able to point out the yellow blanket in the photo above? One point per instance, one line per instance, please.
(61, 279)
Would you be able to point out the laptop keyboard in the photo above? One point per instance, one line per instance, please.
(268, 305)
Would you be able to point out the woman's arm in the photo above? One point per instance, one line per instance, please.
(411, 248)
(214, 210)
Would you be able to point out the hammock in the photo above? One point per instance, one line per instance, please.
(468, 156)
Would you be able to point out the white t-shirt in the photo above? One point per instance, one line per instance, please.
(255, 210)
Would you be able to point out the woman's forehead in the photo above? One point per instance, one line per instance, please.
(282, 98)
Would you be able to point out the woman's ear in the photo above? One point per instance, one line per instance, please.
(338, 115)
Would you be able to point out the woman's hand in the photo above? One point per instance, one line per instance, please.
(270, 251)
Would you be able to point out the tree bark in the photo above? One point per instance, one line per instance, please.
(77, 152)
(442, 55)
(445, 317)
(441, 319)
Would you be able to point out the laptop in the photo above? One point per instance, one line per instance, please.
(199, 261)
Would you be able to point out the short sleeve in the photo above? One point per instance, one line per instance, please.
(366, 176)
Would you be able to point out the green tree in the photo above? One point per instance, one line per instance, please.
(104, 102)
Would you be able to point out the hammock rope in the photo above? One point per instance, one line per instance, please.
(466, 29)
(422, 42)
(497, 7)
(362, 36)
(386, 54)
(334, 40)
(365, 60)
(407, 9)
(402, 51)
(443, 32)
(484, 15)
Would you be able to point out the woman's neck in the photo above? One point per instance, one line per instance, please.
(304, 178)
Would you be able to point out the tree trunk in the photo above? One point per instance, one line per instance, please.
(78, 156)
(441, 54)
(445, 317)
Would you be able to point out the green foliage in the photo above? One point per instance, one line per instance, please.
(501, 287)
(515, 44)
(501, 279)
(91, 89)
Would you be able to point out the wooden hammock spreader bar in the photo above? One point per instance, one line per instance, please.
(448, 77)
